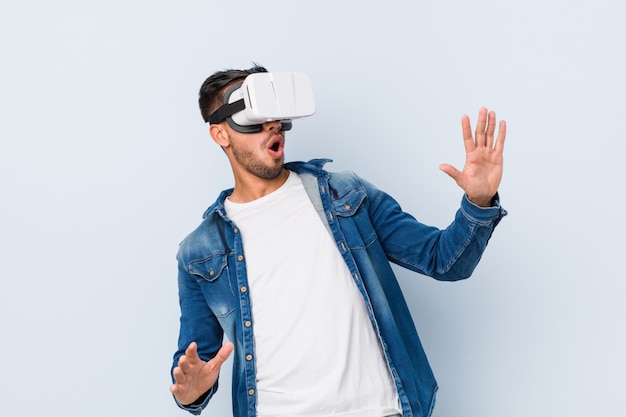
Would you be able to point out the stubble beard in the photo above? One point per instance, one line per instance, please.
(251, 163)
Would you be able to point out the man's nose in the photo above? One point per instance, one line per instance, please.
(274, 125)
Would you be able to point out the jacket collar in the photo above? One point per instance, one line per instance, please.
(313, 167)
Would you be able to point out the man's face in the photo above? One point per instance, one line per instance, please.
(261, 154)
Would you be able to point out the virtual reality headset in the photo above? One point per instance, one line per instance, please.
(264, 97)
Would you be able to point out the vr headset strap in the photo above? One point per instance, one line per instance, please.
(227, 110)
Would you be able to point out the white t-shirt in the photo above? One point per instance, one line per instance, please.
(317, 354)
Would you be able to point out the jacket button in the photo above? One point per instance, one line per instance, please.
(347, 207)
(236, 230)
(248, 357)
(244, 289)
(247, 324)
(240, 258)
(250, 392)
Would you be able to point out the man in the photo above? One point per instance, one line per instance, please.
(292, 265)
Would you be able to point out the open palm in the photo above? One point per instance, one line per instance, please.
(482, 172)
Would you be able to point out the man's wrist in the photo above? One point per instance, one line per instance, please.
(481, 202)
(199, 400)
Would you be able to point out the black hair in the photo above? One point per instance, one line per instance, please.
(211, 94)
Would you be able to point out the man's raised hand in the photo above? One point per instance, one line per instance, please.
(193, 377)
(482, 173)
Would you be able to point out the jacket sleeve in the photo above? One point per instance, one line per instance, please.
(197, 324)
(450, 254)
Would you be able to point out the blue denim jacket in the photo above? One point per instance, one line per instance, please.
(371, 230)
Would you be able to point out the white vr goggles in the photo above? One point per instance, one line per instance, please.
(264, 97)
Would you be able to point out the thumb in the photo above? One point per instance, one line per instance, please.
(450, 170)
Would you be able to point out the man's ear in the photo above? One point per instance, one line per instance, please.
(219, 135)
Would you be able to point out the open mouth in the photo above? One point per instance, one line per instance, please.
(275, 146)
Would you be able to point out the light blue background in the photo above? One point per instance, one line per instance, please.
(105, 165)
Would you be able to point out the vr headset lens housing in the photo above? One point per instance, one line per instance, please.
(265, 97)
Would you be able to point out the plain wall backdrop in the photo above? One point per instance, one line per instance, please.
(105, 166)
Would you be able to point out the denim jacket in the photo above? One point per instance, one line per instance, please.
(370, 230)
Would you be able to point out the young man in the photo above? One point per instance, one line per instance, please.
(292, 265)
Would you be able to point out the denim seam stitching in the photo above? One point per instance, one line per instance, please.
(450, 264)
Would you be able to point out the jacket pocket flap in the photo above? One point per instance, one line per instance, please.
(208, 268)
(348, 203)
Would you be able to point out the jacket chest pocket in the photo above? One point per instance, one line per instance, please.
(212, 274)
(209, 268)
(350, 208)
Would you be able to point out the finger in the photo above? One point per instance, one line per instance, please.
(491, 128)
(183, 364)
(468, 139)
(480, 127)
(223, 354)
(192, 351)
(501, 137)
(179, 375)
